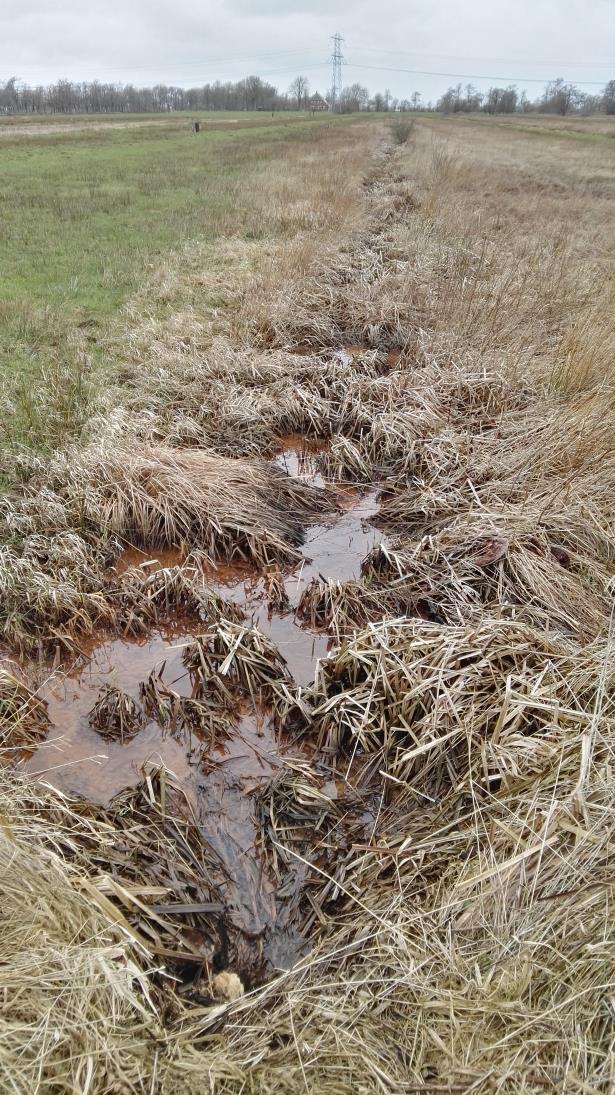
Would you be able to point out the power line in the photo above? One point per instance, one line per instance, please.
(470, 57)
(469, 75)
(248, 59)
(336, 61)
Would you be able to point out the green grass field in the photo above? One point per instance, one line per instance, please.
(85, 212)
(91, 205)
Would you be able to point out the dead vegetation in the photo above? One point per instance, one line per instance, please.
(232, 656)
(440, 838)
(116, 715)
(23, 715)
(166, 497)
(441, 702)
(143, 599)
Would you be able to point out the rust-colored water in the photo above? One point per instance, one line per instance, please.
(74, 757)
(146, 561)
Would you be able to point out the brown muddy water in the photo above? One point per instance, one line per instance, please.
(218, 777)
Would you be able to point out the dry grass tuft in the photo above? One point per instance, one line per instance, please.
(143, 599)
(23, 716)
(76, 1004)
(115, 715)
(231, 656)
(446, 703)
(164, 497)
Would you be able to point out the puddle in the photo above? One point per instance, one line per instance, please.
(78, 760)
(227, 821)
(334, 549)
(347, 354)
(298, 458)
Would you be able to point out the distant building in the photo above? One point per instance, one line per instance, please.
(316, 103)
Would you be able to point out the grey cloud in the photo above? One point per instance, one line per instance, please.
(193, 41)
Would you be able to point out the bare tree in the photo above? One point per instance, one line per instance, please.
(560, 97)
(299, 90)
(353, 99)
(608, 98)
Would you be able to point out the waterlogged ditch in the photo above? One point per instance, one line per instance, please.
(225, 773)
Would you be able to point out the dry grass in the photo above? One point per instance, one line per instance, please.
(23, 715)
(457, 885)
(116, 715)
(235, 657)
(163, 497)
(75, 1000)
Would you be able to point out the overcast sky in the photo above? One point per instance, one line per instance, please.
(188, 42)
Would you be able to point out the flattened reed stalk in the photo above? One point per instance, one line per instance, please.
(169, 864)
(23, 715)
(436, 700)
(164, 497)
(143, 598)
(208, 717)
(115, 715)
(231, 656)
(306, 837)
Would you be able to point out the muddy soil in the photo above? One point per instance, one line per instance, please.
(219, 776)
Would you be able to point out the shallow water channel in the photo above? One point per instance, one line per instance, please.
(217, 778)
(77, 760)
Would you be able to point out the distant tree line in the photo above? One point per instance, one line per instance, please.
(558, 97)
(253, 93)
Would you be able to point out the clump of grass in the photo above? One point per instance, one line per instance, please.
(145, 598)
(47, 595)
(116, 715)
(163, 497)
(65, 953)
(23, 716)
(231, 656)
(444, 703)
(209, 717)
(402, 129)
